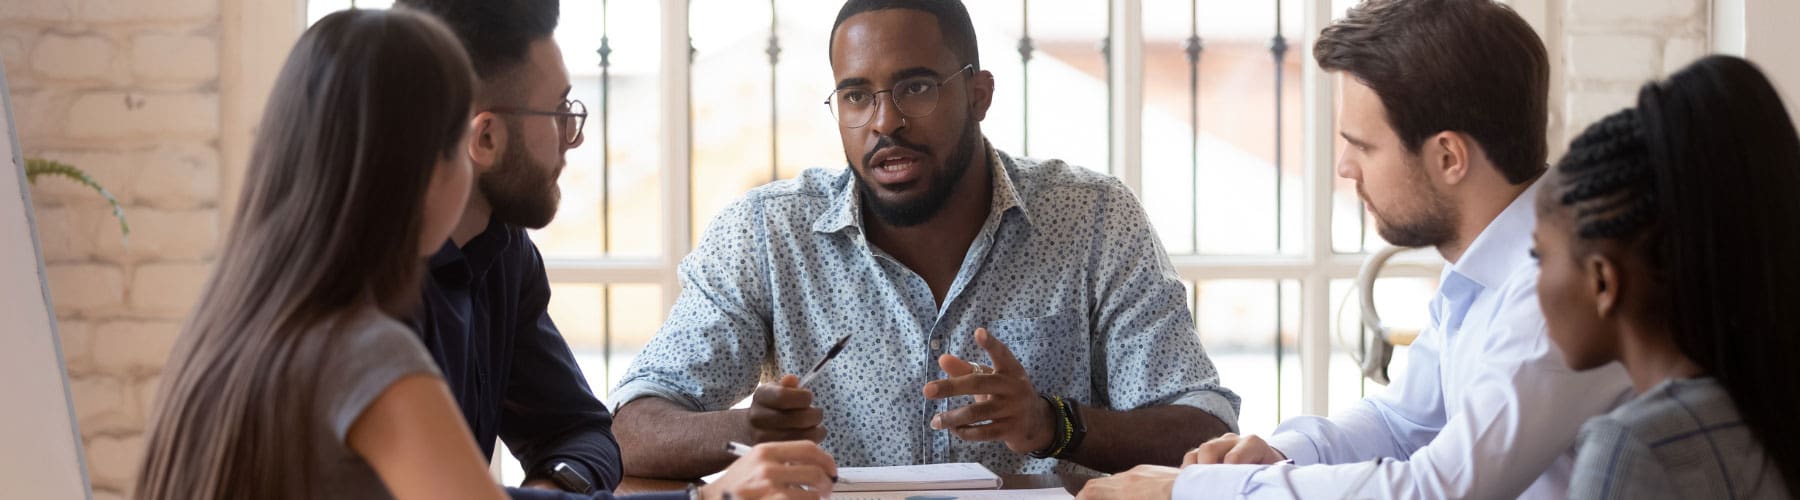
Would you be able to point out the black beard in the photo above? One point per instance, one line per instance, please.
(521, 192)
(913, 213)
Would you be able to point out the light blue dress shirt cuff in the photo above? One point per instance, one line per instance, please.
(1298, 447)
(633, 390)
(1211, 402)
(1213, 481)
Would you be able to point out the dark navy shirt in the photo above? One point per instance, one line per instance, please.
(483, 317)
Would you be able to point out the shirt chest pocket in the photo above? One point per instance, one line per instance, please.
(1054, 350)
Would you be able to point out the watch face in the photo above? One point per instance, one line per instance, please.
(569, 480)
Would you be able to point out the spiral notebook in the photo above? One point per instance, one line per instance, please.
(957, 476)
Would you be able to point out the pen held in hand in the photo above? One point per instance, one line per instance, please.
(741, 449)
(737, 449)
(820, 367)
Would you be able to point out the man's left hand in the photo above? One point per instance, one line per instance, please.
(1143, 481)
(1007, 407)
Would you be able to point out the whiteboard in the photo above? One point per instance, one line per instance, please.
(40, 446)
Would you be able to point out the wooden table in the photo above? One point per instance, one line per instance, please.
(1070, 482)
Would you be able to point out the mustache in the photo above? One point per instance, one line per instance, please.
(887, 141)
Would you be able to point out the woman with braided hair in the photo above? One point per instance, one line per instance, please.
(1667, 241)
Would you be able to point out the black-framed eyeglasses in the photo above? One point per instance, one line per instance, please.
(571, 116)
(914, 97)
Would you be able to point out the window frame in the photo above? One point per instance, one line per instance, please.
(1314, 267)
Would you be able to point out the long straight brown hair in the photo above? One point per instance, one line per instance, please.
(367, 104)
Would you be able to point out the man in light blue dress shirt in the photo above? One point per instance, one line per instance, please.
(940, 256)
(1443, 109)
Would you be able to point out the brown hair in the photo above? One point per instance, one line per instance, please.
(1470, 66)
(366, 105)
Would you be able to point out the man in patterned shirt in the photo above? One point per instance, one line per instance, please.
(939, 256)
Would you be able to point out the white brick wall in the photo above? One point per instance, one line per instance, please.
(167, 290)
(1623, 58)
(127, 90)
(1602, 12)
(1612, 47)
(41, 10)
(149, 11)
(135, 348)
(144, 115)
(1681, 51)
(77, 345)
(86, 289)
(73, 57)
(113, 460)
(161, 57)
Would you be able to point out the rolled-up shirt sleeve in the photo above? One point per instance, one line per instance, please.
(1152, 352)
(710, 353)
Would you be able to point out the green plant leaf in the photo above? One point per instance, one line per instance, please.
(35, 167)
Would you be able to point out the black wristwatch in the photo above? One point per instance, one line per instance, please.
(565, 477)
(1078, 426)
(1066, 429)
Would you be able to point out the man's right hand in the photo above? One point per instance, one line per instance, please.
(795, 470)
(1233, 449)
(783, 411)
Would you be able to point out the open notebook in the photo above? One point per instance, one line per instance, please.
(958, 476)
(1038, 494)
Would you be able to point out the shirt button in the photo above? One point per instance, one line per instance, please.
(937, 345)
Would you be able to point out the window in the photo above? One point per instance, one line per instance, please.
(695, 102)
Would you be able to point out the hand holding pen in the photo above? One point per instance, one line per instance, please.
(796, 470)
(783, 411)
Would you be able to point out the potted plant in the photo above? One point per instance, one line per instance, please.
(35, 167)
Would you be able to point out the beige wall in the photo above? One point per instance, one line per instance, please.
(129, 91)
(157, 98)
(1770, 39)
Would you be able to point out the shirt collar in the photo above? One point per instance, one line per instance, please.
(461, 265)
(1504, 245)
(846, 205)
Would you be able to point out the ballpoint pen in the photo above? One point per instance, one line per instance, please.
(819, 368)
(741, 449)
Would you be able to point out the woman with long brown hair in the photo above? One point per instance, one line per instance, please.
(293, 379)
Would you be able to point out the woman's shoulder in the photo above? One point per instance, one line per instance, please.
(369, 342)
(1613, 461)
(370, 329)
(369, 352)
(1674, 408)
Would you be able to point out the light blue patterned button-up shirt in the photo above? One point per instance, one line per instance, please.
(1066, 271)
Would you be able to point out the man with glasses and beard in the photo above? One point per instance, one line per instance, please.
(483, 314)
(1008, 311)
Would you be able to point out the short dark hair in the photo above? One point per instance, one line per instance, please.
(952, 19)
(496, 33)
(1470, 66)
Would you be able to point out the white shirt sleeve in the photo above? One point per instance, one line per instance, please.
(1517, 412)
